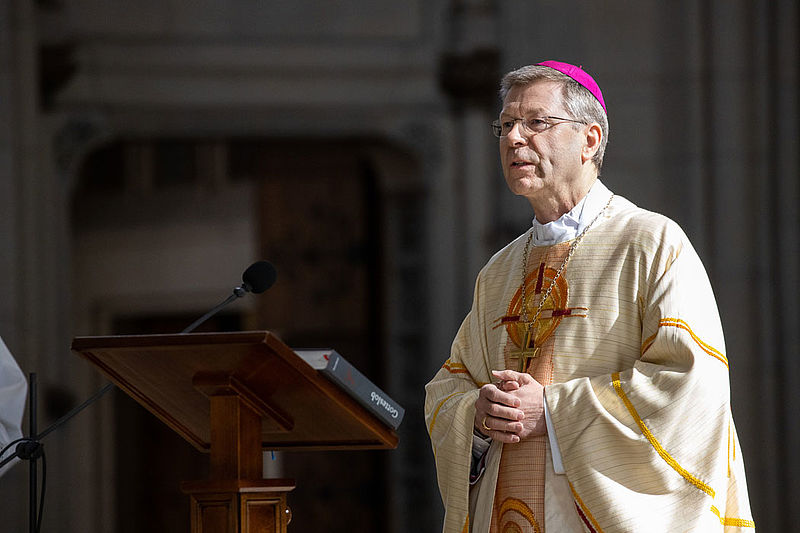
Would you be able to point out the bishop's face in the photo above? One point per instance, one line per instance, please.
(545, 167)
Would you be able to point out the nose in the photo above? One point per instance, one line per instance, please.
(516, 136)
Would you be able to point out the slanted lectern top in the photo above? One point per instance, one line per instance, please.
(235, 394)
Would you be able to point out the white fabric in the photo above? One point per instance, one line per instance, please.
(559, 506)
(558, 464)
(13, 389)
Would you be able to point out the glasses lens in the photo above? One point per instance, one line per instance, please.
(496, 128)
(529, 126)
(535, 125)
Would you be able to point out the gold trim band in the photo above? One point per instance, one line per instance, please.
(735, 522)
(654, 442)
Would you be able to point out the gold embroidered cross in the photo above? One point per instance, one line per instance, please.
(526, 351)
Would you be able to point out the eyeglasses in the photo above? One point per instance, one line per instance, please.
(530, 126)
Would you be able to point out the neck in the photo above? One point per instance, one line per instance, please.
(559, 203)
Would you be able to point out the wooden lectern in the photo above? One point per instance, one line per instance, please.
(234, 395)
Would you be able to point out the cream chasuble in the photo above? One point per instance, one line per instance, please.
(631, 351)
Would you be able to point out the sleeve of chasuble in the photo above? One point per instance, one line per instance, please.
(450, 410)
(649, 447)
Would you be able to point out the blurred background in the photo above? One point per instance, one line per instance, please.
(151, 150)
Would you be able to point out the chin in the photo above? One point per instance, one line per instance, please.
(524, 186)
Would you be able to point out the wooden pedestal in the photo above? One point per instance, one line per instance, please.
(257, 506)
(235, 500)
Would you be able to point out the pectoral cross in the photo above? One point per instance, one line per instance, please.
(526, 351)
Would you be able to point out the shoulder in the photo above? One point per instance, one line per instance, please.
(648, 242)
(638, 226)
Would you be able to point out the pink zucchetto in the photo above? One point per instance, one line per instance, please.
(579, 75)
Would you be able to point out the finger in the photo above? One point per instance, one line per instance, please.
(502, 436)
(506, 438)
(495, 395)
(491, 424)
(487, 391)
(478, 424)
(507, 374)
(512, 375)
(484, 401)
(502, 412)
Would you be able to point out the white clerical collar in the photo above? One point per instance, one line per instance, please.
(571, 224)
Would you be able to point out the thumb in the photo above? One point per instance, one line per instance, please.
(508, 386)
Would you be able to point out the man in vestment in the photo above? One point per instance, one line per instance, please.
(587, 389)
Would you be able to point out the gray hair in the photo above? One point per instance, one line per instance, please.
(578, 101)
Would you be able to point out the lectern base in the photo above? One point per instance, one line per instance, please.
(239, 506)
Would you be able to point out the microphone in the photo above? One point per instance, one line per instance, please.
(258, 277)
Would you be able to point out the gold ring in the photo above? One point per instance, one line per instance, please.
(487, 428)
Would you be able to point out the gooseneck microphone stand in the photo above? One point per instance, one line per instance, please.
(256, 279)
(31, 449)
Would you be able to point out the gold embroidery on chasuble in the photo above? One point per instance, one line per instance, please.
(519, 495)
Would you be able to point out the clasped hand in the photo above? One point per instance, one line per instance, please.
(512, 409)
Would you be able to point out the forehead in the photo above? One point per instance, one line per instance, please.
(542, 96)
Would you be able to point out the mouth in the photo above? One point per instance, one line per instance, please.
(520, 163)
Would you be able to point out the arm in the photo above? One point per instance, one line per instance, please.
(661, 425)
(450, 412)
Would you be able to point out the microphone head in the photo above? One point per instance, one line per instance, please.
(259, 276)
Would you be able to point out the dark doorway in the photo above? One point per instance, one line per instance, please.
(320, 224)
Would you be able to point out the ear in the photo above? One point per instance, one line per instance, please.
(594, 136)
